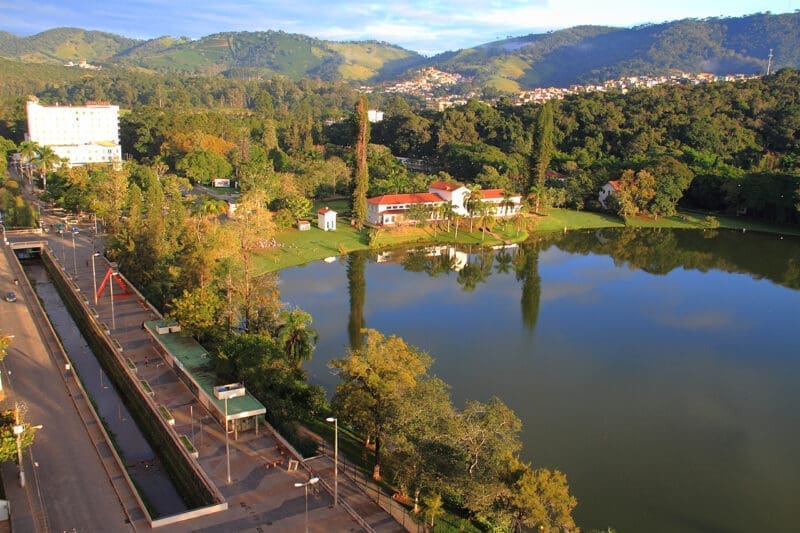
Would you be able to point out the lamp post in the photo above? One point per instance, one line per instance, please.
(19, 429)
(223, 392)
(227, 447)
(335, 458)
(305, 485)
(74, 261)
(5, 242)
(94, 278)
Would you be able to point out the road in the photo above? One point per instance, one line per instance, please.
(67, 485)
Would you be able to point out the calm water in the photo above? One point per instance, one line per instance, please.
(658, 369)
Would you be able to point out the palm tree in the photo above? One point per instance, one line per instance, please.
(296, 337)
(472, 202)
(27, 152)
(46, 161)
(506, 204)
(448, 212)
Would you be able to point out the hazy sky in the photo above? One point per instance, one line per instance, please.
(427, 27)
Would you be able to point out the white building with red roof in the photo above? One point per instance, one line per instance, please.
(609, 189)
(326, 219)
(392, 209)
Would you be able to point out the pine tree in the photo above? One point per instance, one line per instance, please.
(361, 179)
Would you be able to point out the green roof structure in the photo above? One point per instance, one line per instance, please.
(193, 360)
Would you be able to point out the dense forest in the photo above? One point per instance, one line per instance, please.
(729, 147)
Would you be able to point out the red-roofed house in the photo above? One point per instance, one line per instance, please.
(391, 209)
(609, 189)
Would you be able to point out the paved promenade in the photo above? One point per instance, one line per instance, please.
(257, 497)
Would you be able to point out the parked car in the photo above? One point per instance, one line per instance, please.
(11, 297)
(75, 230)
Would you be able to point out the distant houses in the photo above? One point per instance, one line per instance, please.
(396, 209)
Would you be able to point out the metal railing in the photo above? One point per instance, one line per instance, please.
(386, 501)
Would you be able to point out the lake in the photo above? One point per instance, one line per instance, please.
(657, 368)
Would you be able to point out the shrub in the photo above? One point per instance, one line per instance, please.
(284, 219)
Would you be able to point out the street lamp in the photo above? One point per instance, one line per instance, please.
(311, 481)
(74, 261)
(223, 392)
(94, 277)
(19, 429)
(335, 458)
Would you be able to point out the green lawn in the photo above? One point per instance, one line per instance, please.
(295, 247)
(558, 219)
(299, 247)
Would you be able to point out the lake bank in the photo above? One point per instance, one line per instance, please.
(293, 247)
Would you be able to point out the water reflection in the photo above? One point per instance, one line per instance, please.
(657, 368)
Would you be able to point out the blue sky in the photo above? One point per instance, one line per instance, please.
(427, 27)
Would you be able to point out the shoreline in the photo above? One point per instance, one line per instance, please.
(296, 248)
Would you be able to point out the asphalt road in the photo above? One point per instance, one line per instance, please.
(67, 486)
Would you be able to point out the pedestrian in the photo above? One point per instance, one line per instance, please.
(16, 281)
(146, 360)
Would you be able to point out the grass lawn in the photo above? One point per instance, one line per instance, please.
(299, 247)
(558, 219)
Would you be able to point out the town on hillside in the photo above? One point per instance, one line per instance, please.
(429, 83)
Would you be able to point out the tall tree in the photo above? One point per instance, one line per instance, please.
(257, 294)
(361, 176)
(375, 377)
(541, 146)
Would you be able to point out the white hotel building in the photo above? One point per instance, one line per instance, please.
(82, 135)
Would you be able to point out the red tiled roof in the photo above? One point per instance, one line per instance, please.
(325, 210)
(492, 194)
(444, 186)
(554, 174)
(413, 198)
(614, 184)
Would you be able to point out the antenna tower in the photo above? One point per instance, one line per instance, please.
(769, 62)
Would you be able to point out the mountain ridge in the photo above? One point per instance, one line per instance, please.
(580, 54)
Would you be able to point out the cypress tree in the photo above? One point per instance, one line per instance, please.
(541, 146)
(361, 178)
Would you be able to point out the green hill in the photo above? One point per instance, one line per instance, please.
(60, 45)
(587, 54)
(582, 54)
(243, 53)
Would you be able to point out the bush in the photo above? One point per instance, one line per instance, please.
(711, 222)
(284, 219)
